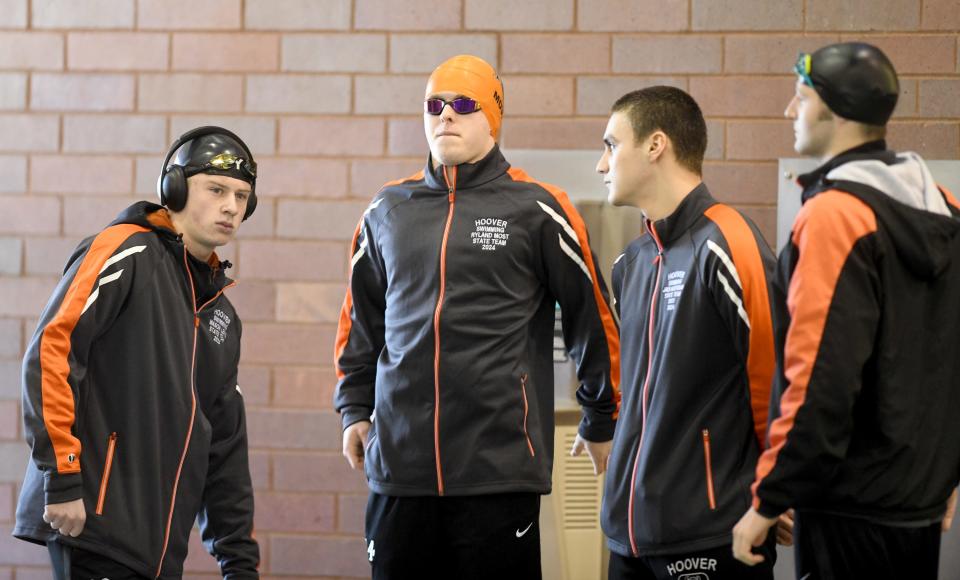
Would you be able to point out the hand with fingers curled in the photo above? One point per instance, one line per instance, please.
(68, 518)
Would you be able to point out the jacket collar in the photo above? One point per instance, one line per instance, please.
(467, 175)
(682, 219)
(816, 181)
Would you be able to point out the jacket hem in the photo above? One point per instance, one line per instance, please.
(666, 549)
(42, 536)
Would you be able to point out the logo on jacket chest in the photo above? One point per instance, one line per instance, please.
(673, 289)
(218, 326)
(489, 233)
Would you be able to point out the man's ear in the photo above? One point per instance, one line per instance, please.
(656, 145)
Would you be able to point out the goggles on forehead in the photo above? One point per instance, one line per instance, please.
(803, 68)
(228, 161)
(460, 105)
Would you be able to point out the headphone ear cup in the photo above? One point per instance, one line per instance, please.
(173, 189)
(251, 205)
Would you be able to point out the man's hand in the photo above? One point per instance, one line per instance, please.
(951, 509)
(785, 528)
(599, 452)
(355, 442)
(68, 518)
(751, 530)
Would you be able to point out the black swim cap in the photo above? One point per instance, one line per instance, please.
(855, 80)
(217, 154)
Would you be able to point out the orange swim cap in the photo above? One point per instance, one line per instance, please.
(472, 77)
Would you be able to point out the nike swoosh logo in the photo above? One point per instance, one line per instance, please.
(527, 529)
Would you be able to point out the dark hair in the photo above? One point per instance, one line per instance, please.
(672, 111)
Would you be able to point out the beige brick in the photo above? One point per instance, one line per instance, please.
(915, 54)
(581, 133)
(298, 94)
(13, 174)
(146, 171)
(405, 137)
(187, 92)
(259, 133)
(742, 183)
(288, 260)
(759, 140)
(941, 15)
(398, 15)
(48, 255)
(81, 174)
(931, 140)
(29, 132)
(422, 53)
(11, 264)
(11, 335)
(334, 52)
(188, 14)
(539, 95)
(297, 14)
(368, 176)
(313, 472)
(318, 556)
(907, 105)
(938, 98)
(747, 15)
(665, 54)
(255, 301)
(31, 50)
(281, 344)
(310, 302)
(226, 52)
(287, 512)
(86, 215)
(331, 136)
(320, 220)
(10, 371)
(351, 513)
(596, 95)
(305, 387)
(768, 53)
(10, 420)
(742, 96)
(198, 559)
(301, 177)
(260, 474)
(254, 381)
(555, 53)
(29, 215)
(632, 15)
(533, 15)
(113, 133)
(885, 15)
(13, 91)
(93, 14)
(13, 13)
(765, 217)
(389, 94)
(81, 92)
(292, 429)
(260, 225)
(716, 139)
(120, 51)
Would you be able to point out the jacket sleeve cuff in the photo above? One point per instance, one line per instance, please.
(597, 428)
(768, 510)
(354, 414)
(60, 488)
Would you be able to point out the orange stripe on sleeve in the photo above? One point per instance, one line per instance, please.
(344, 325)
(58, 404)
(609, 326)
(756, 301)
(949, 197)
(825, 233)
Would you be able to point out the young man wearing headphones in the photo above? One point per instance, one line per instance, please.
(130, 399)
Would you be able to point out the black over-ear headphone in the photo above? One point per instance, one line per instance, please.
(172, 184)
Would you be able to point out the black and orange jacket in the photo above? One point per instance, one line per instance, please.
(868, 346)
(697, 345)
(130, 402)
(446, 332)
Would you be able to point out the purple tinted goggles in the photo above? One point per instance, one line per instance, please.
(460, 105)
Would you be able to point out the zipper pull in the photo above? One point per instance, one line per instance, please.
(196, 321)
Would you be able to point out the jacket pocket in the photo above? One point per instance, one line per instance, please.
(526, 409)
(708, 463)
(107, 466)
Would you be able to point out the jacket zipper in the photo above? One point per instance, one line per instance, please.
(193, 401)
(107, 466)
(526, 408)
(451, 198)
(646, 382)
(709, 465)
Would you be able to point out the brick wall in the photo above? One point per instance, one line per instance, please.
(327, 93)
